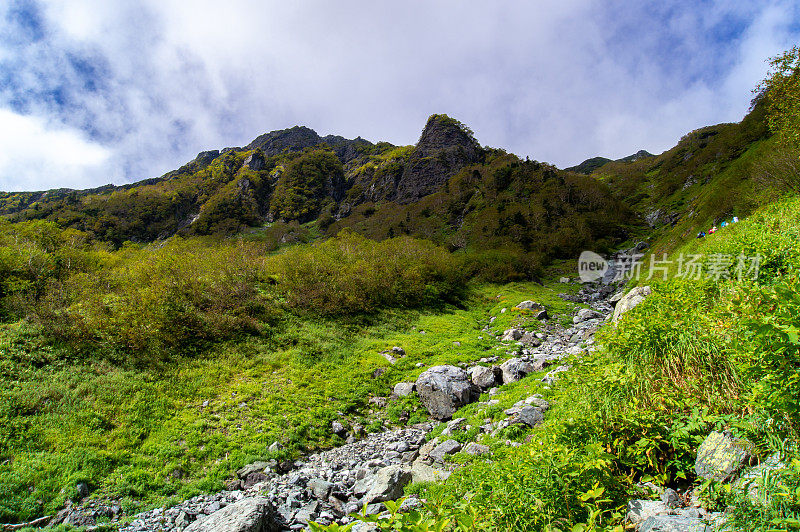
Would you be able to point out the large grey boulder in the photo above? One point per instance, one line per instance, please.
(719, 457)
(445, 389)
(485, 377)
(254, 514)
(630, 300)
(515, 368)
(388, 484)
(586, 314)
(443, 449)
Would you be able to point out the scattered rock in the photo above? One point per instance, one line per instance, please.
(402, 389)
(445, 448)
(514, 369)
(719, 457)
(255, 467)
(671, 498)
(253, 514)
(512, 335)
(641, 510)
(388, 484)
(445, 389)
(672, 523)
(586, 314)
(630, 300)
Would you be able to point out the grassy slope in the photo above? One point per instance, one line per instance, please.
(694, 357)
(145, 434)
(712, 174)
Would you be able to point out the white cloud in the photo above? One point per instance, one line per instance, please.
(558, 80)
(35, 153)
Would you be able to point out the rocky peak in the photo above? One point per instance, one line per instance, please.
(641, 154)
(445, 147)
(298, 138)
(444, 133)
(294, 138)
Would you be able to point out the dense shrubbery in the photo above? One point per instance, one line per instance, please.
(154, 303)
(350, 274)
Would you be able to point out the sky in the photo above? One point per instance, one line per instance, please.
(115, 91)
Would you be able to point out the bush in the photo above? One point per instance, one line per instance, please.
(351, 274)
(157, 302)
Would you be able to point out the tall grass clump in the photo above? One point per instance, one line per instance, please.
(677, 339)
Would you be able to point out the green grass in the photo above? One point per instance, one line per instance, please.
(144, 434)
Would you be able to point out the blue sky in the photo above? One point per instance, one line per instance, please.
(94, 92)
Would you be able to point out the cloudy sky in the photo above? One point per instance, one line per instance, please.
(100, 91)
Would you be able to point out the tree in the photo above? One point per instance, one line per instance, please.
(781, 91)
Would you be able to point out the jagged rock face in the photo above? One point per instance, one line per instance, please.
(444, 148)
(293, 139)
(300, 137)
(345, 149)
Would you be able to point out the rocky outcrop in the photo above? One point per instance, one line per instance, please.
(298, 138)
(630, 300)
(445, 147)
(445, 389)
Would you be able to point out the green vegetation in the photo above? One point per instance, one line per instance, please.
(781, 89)
(158, 336)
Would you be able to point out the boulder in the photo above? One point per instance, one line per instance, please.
(255, 467)
(445, 448)
(530, 305)
(476, 449)
(528, 415)
(536, 308)
(338, 428)
(641, 510)
(586, 314)
(673, 523)
(388, 484)
(719, 457)
(321, 488)
(630, 300)
(485, 377)
(563, 280)
(402, 389)
(445, 389)
(613, 300)
(514, 369)
(422, 472)
(752, 480)
(254, 514)
(512, 335)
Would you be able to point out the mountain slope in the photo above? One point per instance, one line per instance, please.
(445, 188)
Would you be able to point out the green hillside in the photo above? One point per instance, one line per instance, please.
(260, 304)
